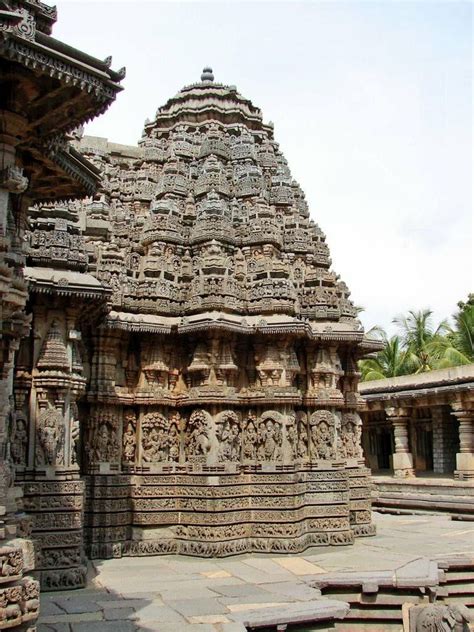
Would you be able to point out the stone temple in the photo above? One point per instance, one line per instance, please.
(189, 383)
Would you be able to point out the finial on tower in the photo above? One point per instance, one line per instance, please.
(207, 74)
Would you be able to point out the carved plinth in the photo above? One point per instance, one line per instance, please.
(219, 515)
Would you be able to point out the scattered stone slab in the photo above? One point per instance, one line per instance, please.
(309, 612)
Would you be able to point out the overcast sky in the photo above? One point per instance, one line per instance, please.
(372, 105)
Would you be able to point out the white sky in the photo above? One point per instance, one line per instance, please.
(372, 105)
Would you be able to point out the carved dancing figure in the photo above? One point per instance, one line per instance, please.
(250, 441)
(129, 444)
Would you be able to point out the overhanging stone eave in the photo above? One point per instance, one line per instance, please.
(245, 324)
(45, 45)
(418, 382)
(231, 116)
(65, 282)
(75, 175)
(93, 83)
(70, 52)
(368, 346)
(415, 396)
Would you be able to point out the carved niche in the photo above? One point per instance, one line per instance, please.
(270, 437)
(351, 434)
(50, 431)
(129, 437)
(156, 440)
(102, 445)
(323, 438)
(201, 443)
(229, 436)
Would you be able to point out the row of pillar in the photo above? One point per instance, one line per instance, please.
(403, 465)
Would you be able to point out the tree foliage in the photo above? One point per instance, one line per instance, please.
(422, 345)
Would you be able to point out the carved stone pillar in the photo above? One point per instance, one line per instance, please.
(464, 412)
(402, 458)
(439, 447)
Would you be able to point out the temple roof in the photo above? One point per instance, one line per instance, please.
(203, 226)
(208, 100)
(56, 88)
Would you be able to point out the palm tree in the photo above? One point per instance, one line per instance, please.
(422, 340)
(457, 347)
(391, 361)
(464, 328)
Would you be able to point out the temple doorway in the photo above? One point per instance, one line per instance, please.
(384, 449)
(423, 445)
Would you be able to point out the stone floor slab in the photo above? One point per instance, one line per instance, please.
(239, 590)
(292, 590)
(71, 618)
(209, 618)
(148, 588)
(104, 626)
(154, 612)
(194, 607)
(114, 614)
(53, 627)
(77, 604)
(299, 566)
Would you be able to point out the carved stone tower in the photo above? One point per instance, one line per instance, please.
(221, 407)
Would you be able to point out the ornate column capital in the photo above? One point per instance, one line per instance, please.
(397, 412)
(463, 410)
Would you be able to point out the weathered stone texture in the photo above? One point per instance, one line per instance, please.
(193, 356)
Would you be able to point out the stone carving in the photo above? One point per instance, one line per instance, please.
(53, 353)
(250, 440)
(11, 562)
(228, 436)
(270, 438)
(439, 617)
(199, 353)
(129, 438)
(75, 434)
(102, 445)
(19, 440)
(51, 435)
(323, 435)
(302, 429)
(200, 437)
(155, 441)
(351, 434)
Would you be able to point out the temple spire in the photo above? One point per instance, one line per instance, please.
(207, 74)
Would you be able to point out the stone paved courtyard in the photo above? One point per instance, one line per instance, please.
(172, 593)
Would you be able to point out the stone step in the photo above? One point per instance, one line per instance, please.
(462, 505)
(466, 489)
